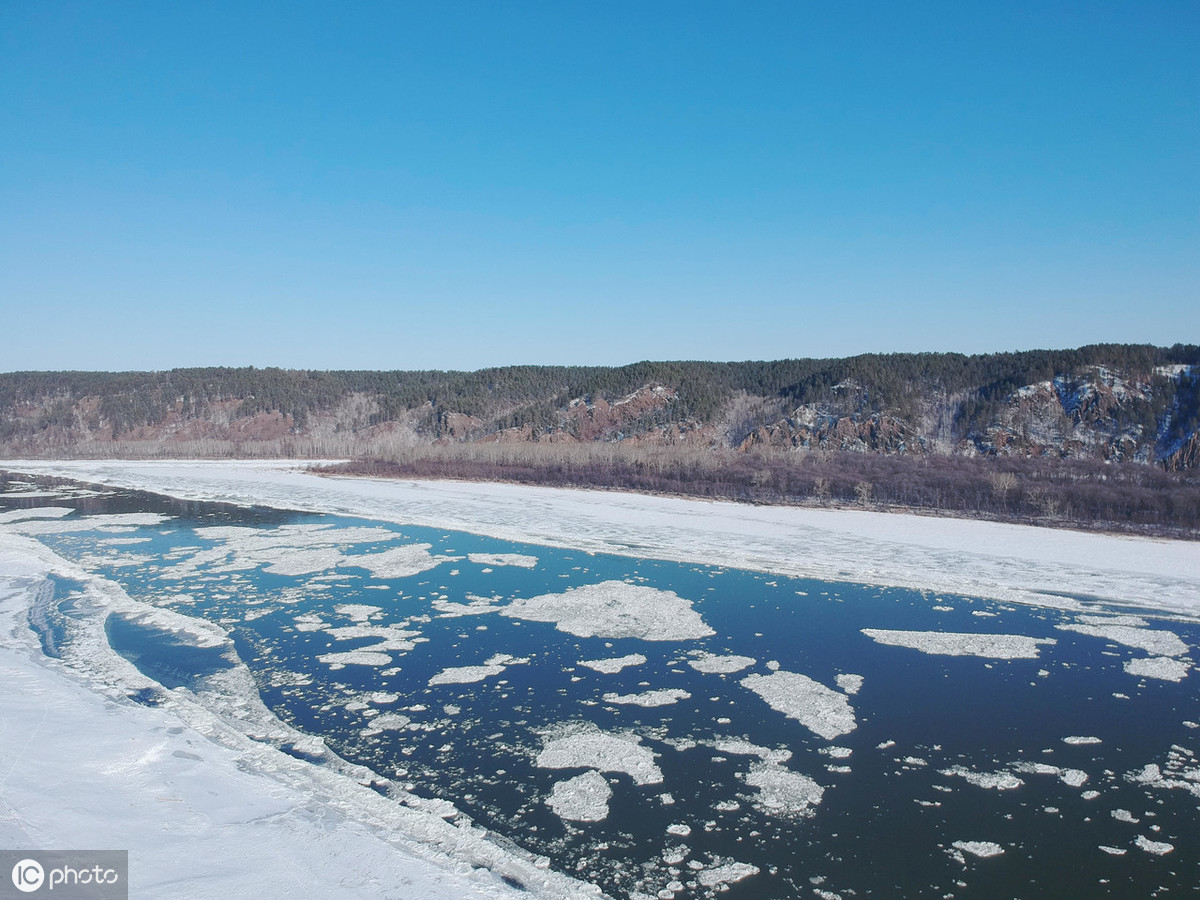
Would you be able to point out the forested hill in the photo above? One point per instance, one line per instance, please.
(1117, 402)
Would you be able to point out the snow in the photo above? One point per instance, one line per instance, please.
(821, 710)
(614, 609)
(1002, 561)
(206, 811)
(583, 798)
(989, 646)
(612, 666)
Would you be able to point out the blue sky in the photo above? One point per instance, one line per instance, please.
(460, 185)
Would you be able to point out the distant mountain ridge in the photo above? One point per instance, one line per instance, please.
(1113, 401)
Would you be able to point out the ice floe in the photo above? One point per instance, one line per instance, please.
(40, 512)
(366, 657)
(615, 609)
(583, 798)
(999, 781)
(981, 849)
(742, 747)
(712, 664)
(520, 560)
(1160, 643)
(614, 665)
(398, 562)
(820, 709)
(649, 699)
(470, 674)
(782, 791)
(1157, 848)
(1161, 667)
(585, 746)
(730, 873)
(990, 646)
(475, 606)
(1078, 740)
(851, 684)
(37, 525)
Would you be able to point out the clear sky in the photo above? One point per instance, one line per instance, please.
(459, 185)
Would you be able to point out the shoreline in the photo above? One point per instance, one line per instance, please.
(1004, 561)
(195, 786)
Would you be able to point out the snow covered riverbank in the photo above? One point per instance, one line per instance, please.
(204, 810)
(1008, 562)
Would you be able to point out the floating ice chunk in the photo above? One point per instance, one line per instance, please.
(673, 856)
(739, 747)
(837, 752)
(287, 561)
(1081, 739)
(726, 874)
(782, 791)
(1124, 815)
(982, 849)
(355, 658)
(945, 643)
(583, 798)
(388, 721)
(359, 612)
(1161, 643)
(43, 512)
(587, 747)
(398, 562)
(1114, 851)
(389, 637)
(465, 674)
(612, 666)
(1090, 795)
(1133, 621)
(1037, 768)
(504, 559)
(649, 699)
(615, 609)
(197, 632)
(851, 684)
(1073, 777)
(1000, 781)
(475, 606)
(1158, 848)
(711, 664)
(679, 830)
(822, 710)
(113, 522)
(1158, 667)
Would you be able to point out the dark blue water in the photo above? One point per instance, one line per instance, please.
(884, 828)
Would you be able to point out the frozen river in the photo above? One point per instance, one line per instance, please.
(657, 724)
